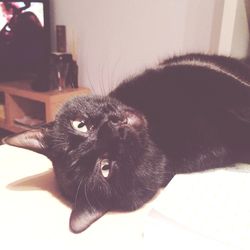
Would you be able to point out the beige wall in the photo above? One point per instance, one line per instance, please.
(234, 37)
(113, 39)
(240, 41)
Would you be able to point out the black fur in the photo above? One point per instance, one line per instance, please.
(192, 113)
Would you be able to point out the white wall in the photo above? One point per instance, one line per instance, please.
(113, 39)
(234, 37)
(240, 42)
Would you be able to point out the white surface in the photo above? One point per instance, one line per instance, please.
(209, 210)
(196, 211)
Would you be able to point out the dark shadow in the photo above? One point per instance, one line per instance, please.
(44, 181)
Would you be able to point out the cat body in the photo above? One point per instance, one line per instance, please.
(197, 108)
(115, 152)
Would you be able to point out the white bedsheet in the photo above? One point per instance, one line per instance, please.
(209, 210)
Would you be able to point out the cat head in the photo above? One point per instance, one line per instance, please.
(102, 156)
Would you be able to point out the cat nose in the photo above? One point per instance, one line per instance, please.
(122, 131)
(115, 120)
(117, 124)
(113, 130)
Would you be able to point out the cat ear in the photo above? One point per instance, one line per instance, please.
(83, 215)
(31, 139)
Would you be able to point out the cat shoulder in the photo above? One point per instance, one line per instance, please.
(225, 65)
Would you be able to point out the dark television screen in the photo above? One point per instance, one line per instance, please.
(24, 39)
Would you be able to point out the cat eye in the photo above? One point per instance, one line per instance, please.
(80, 126)
(105, 168)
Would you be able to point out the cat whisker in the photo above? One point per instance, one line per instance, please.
(78, 189)
(90, 82)
(101, 82)
(74, 163)
(114, 83)
(86, 196)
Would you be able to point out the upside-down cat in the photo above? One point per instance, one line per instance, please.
(115, 152)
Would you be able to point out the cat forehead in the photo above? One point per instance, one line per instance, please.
(93, 105)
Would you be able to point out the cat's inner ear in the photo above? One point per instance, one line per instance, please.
(83, 215)
(82, 218)
(31, 139)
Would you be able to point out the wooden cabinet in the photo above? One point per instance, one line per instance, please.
(18, 101)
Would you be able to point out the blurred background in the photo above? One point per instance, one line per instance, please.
(114, 39)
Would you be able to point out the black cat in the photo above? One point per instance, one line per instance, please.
(115, 152)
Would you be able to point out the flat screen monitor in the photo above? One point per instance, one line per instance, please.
(24, 41)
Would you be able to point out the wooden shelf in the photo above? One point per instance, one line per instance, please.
(2, 123)
(20, 100)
